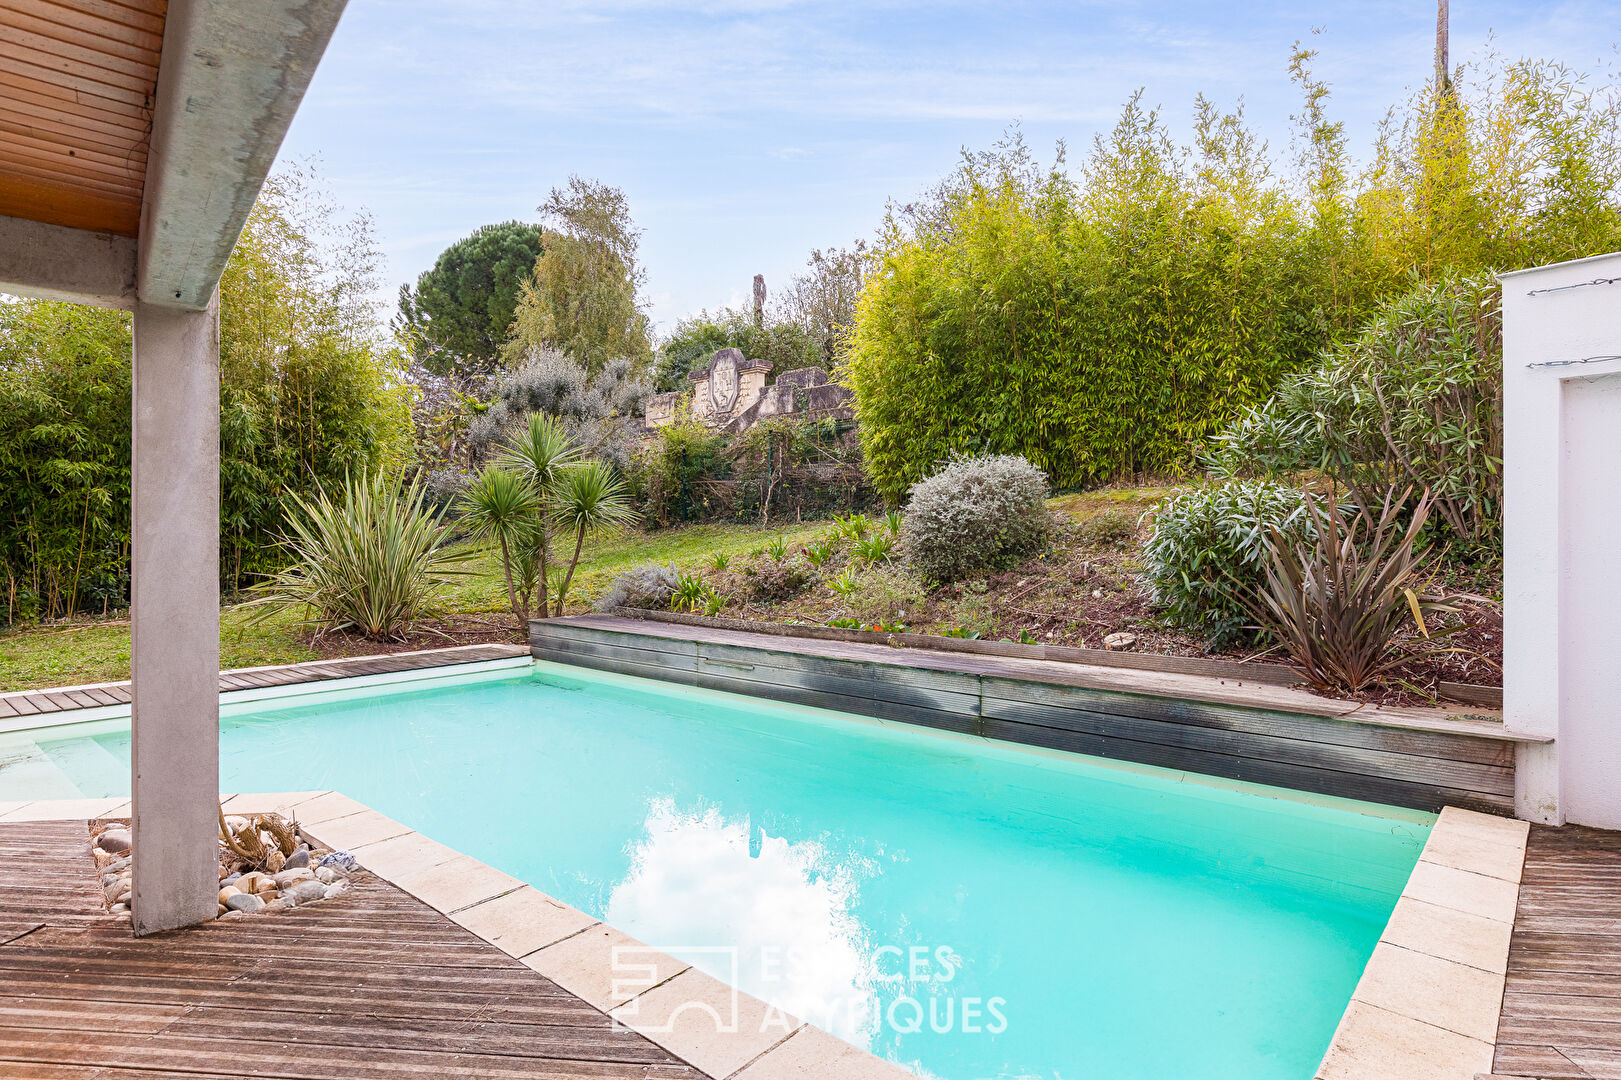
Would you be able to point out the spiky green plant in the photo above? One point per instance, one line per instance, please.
(853, 526)
(370, 559)
(892, 522)
(846, 584)
(821, 552)
(877, 548)
(690, 593)
(778, 548)
(542, 453)
(720, 561)
(588, 498)
(502, 505)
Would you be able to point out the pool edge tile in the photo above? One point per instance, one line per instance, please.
(813, 1054)
(522, 921)
(1375, 1044)
(714, 1027)
(88, 809)
(1430, 999)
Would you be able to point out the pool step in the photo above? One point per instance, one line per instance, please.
(94, 768)
(27, 773)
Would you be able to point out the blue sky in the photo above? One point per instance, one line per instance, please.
(746, 132)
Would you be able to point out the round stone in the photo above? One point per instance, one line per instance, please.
(304, 892)
(116, 841)
(298, 859)
(293, 877)
(244, 902)
(334, 890)
(228, 892)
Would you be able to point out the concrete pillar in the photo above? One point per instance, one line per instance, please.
(174, 615)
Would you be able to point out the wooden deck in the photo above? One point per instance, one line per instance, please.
(32, 702)
(1561, 1016)
(372, 983)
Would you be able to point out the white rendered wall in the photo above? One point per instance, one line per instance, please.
(1562, 538)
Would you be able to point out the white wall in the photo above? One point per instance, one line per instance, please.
(1562, 539)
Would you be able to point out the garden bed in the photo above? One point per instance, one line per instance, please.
(1083, 595)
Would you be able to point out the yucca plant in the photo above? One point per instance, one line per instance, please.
(1337, 600)
(541, 453)
(372, 559)
(587, 498)
(503, 505)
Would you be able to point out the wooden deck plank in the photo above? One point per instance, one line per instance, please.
(372, 983)
(1561, 1016)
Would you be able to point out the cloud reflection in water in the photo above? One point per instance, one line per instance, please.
(700, 880)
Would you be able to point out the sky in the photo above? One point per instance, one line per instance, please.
(747, 132)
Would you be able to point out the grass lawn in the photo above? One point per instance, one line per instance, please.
(65, 654)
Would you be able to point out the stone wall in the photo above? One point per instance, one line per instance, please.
(731, 394)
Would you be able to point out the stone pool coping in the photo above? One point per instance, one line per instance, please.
(1426, 1008)
(1428, 1003)
(668, 1001)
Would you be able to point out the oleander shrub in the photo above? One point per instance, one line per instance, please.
(1415, 400)
(1210, 546)
(649, 587)
(975, 514)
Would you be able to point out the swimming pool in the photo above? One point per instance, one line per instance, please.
(968, 909)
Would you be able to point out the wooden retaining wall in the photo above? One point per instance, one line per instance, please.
(1424, 759)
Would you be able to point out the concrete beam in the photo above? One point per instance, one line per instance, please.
(57, 263)
(175, 616)
(229, 82)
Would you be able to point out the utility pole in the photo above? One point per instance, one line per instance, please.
(1443, 61)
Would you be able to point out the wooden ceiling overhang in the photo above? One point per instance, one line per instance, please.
(77, 86)
(135, 136)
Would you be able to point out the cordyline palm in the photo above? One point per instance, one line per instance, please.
(502, 504)
(540, 453)
(587, 498)
(1336, 602)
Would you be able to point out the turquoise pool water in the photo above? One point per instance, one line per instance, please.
(968, 910)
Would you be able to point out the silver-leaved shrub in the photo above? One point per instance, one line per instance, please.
(974, 515)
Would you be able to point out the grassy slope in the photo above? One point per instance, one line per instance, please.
(90, 652)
